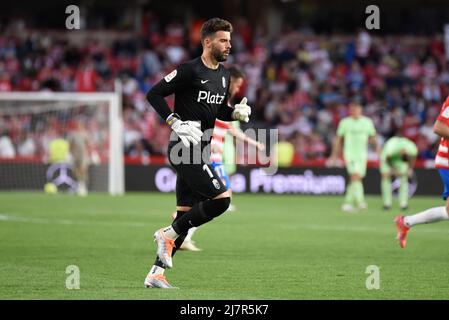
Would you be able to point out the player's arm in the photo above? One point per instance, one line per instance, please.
(389, 160)
(333, 159)
(373, 141)
(411, 161)
(168, 85)
(442, 129)
(373, 138)
(338, 142)
(187, 131)
(238, 134)
(225, 113)
(412, 155)
(336, 147)
(241, 111)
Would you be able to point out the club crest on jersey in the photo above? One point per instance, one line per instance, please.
(169, 77)
(223, 81)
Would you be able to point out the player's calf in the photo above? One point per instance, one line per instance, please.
(201, 213)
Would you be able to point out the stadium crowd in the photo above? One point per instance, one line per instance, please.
(298, 82)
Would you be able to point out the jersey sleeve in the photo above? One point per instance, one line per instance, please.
(341, 130)
(171, 83)
(225, 113)
(412, 149)
(387, 149)
(444, 113)
(371, 128)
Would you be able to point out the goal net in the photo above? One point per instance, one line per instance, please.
(61, 142)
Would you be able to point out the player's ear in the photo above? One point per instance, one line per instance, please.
(208, 41)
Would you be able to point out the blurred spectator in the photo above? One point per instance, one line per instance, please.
(5, 82)
(26, 145)
(298, 82)
(426, 131)
(86, 78)
(6, 146)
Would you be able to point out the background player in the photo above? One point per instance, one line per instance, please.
(224, 131)
(355, 132)
(222, 145)
(58, 171)
(79, 148)
(397, 158)
(201, 91)
(404, 223)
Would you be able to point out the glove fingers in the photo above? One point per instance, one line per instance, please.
(185, 141)
(196, 132)
(194, 136)
(244, 101)
(193, 140)
(194, 124)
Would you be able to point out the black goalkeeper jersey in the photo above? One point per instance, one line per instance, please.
(201, 93)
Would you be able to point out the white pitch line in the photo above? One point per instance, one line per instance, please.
(299, 226)
(356, 229)
(11, 218)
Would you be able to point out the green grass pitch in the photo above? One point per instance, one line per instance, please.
(273, 247)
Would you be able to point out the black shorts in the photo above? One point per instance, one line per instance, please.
(196, 182)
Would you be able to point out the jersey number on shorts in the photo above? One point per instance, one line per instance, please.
(206, 168)
(214, 181)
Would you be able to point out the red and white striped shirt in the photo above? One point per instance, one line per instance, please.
(218, 137)
(442, 158)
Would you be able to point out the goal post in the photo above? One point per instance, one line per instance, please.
(41, 107)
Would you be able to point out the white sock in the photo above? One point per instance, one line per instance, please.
(170, 233)
(190, 234)
(157, 270)
(82, 189)
(428, 216)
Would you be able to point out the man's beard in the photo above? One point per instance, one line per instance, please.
(218, 55)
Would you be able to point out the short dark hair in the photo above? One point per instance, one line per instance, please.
(236, 73)
(358, 100)
(213, 25)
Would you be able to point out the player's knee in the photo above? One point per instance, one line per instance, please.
(183, 208)
(216, 207)
(221, 205)
(225, 194)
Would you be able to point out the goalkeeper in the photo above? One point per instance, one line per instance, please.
(223, 149)
(201, 90)
(397, 158)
